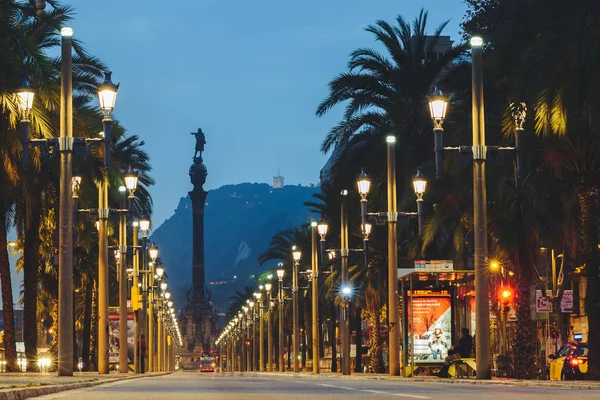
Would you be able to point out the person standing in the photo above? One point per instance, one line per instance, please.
(142, 349)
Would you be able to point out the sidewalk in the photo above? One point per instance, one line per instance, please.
(590, 385)
(22, 385)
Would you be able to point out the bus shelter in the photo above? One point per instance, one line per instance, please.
(437, 302)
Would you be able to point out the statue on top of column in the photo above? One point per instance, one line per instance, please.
(200, 142)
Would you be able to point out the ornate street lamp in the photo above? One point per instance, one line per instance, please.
(107, 94)
(364, 185)
(25, 96)
(438, 105)
(419, 184)
(153, 252)
(131, 181)
(322, 228)
(144, 226)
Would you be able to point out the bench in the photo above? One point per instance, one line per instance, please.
(462, 368)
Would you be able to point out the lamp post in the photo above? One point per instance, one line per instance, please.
(247, 317)
(394, 342)
(165, 336)
(320, 228)
(268, 287)
(65, 254)
(144, 227)
(122, 278)
(131, 183)
(261, 340)
(479, 152)
(482, 345)
(160, 334)
(297, 255)
(107, 95)
(280, 273)
(364, 184)
(153, 253)
(252, 305)
(25, 96)
(344, 252)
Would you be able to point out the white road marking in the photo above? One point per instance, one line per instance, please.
(412, 396)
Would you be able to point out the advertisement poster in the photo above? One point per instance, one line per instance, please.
(543, 303)
(566, 302)
(431, 327)
(113, 338)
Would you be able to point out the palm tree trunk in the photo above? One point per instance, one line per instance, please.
(307, 328)
(358, 327)
(31, 262)
(10, 347)
(588, 195)
(333, 338)
(93, 344)
(87, 325)
(373, 301)
(525, 341)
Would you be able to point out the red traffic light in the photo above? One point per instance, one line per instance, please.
(506, 296)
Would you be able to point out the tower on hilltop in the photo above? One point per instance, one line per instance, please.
(278, 181)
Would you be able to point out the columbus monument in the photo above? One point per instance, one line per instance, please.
(200, 317)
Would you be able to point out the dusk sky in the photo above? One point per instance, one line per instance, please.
(249, 73)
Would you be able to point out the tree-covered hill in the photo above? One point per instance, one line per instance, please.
(239, 222)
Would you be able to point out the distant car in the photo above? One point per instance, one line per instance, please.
(570, 362)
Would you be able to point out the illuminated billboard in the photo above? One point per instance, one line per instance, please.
(113, 338)
(429, 326)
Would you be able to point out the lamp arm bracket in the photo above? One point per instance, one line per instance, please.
(407, 214)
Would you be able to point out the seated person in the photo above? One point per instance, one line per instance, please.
(462, 350)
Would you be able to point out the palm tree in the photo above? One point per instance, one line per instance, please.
(33, 38)
(547, 51)
(385, 93)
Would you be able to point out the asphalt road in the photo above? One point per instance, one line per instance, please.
(193, 385)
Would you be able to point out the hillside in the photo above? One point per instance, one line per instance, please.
(239, 223)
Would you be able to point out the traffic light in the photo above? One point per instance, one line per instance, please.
(506, 297)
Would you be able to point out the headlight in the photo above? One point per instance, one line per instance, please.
(213, 365)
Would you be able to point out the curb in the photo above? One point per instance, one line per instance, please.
(24, 393)
(525, 383)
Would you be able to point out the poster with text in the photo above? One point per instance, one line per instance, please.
(430, 327)
(113, 338)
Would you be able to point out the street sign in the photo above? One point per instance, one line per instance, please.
(434, 265)
(566, 302)
(543, 303)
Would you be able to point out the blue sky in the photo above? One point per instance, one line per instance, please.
(249, 73)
